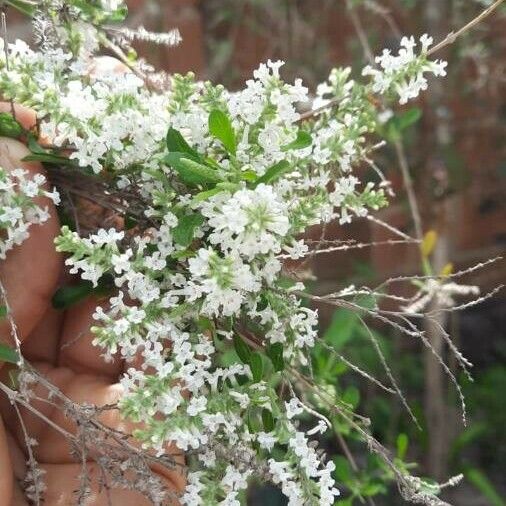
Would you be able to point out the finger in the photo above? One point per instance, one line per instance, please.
(42, 343)
(6, 473)
(62, 482)
(31, 270)
(54, 446)
(107, 65)
(18, 498)
(25, 116)
(46, 411)
(79, 353)
(77, 350)
(17, 457)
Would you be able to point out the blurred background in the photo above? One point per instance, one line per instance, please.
(456, 154)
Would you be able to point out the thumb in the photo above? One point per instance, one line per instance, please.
(30, 271)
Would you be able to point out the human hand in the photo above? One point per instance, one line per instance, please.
(57, 344)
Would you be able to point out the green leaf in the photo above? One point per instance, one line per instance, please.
(484, 485)
(429, 243)
(249, 175)
(34, 146)
(302, 141)
(207, 194)
(50, 158)
(372, 489)
(342, 328)
(242, 349)
(351, 396)
(397, 124)
(14, 378)
(97, 14)
(3, 311)
(343, 470)
(118, 15)
(221, 128)
(69, 295)
(130, 222)
(8, 354)
(220, 187)
(256, 364)
(402, 445)
(9, 127)
(179, 310)
(192, 172)
(408, 118)
(252, 421)
(206, 325)
(268, 420)
(177, 143)
(212, 162)
(274, 173)
(184, 232)
(275, 353)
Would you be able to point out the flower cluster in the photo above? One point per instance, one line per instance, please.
(230, 181)
(18, 209)
(441, 293)
(404, 73)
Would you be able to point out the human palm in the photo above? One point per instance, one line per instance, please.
(58, 344)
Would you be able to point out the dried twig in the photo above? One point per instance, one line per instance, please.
(452, 37)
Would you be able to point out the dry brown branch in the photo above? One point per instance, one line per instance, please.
(452, 37)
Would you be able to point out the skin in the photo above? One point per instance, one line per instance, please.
(59, 345)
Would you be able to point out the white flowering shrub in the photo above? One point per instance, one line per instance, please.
(229, 183)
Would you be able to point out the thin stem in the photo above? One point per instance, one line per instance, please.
(357, 24)
(452, 37)
(31, 458)
(399, 148)
(12, 323)
(15, 397)
(385, 14)
(351, 460)
(410, 191)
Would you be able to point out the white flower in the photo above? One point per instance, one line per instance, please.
(121, 263)
(250, 222)
(17, 209)
(266, 72)
(404, 73)
(192, 496)
(297, 250)
(111, 5)
(224, 282)
(293, 407)
(321, 427)
(266, 440)
(196, 405)
(280, 471)
(235, 480)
